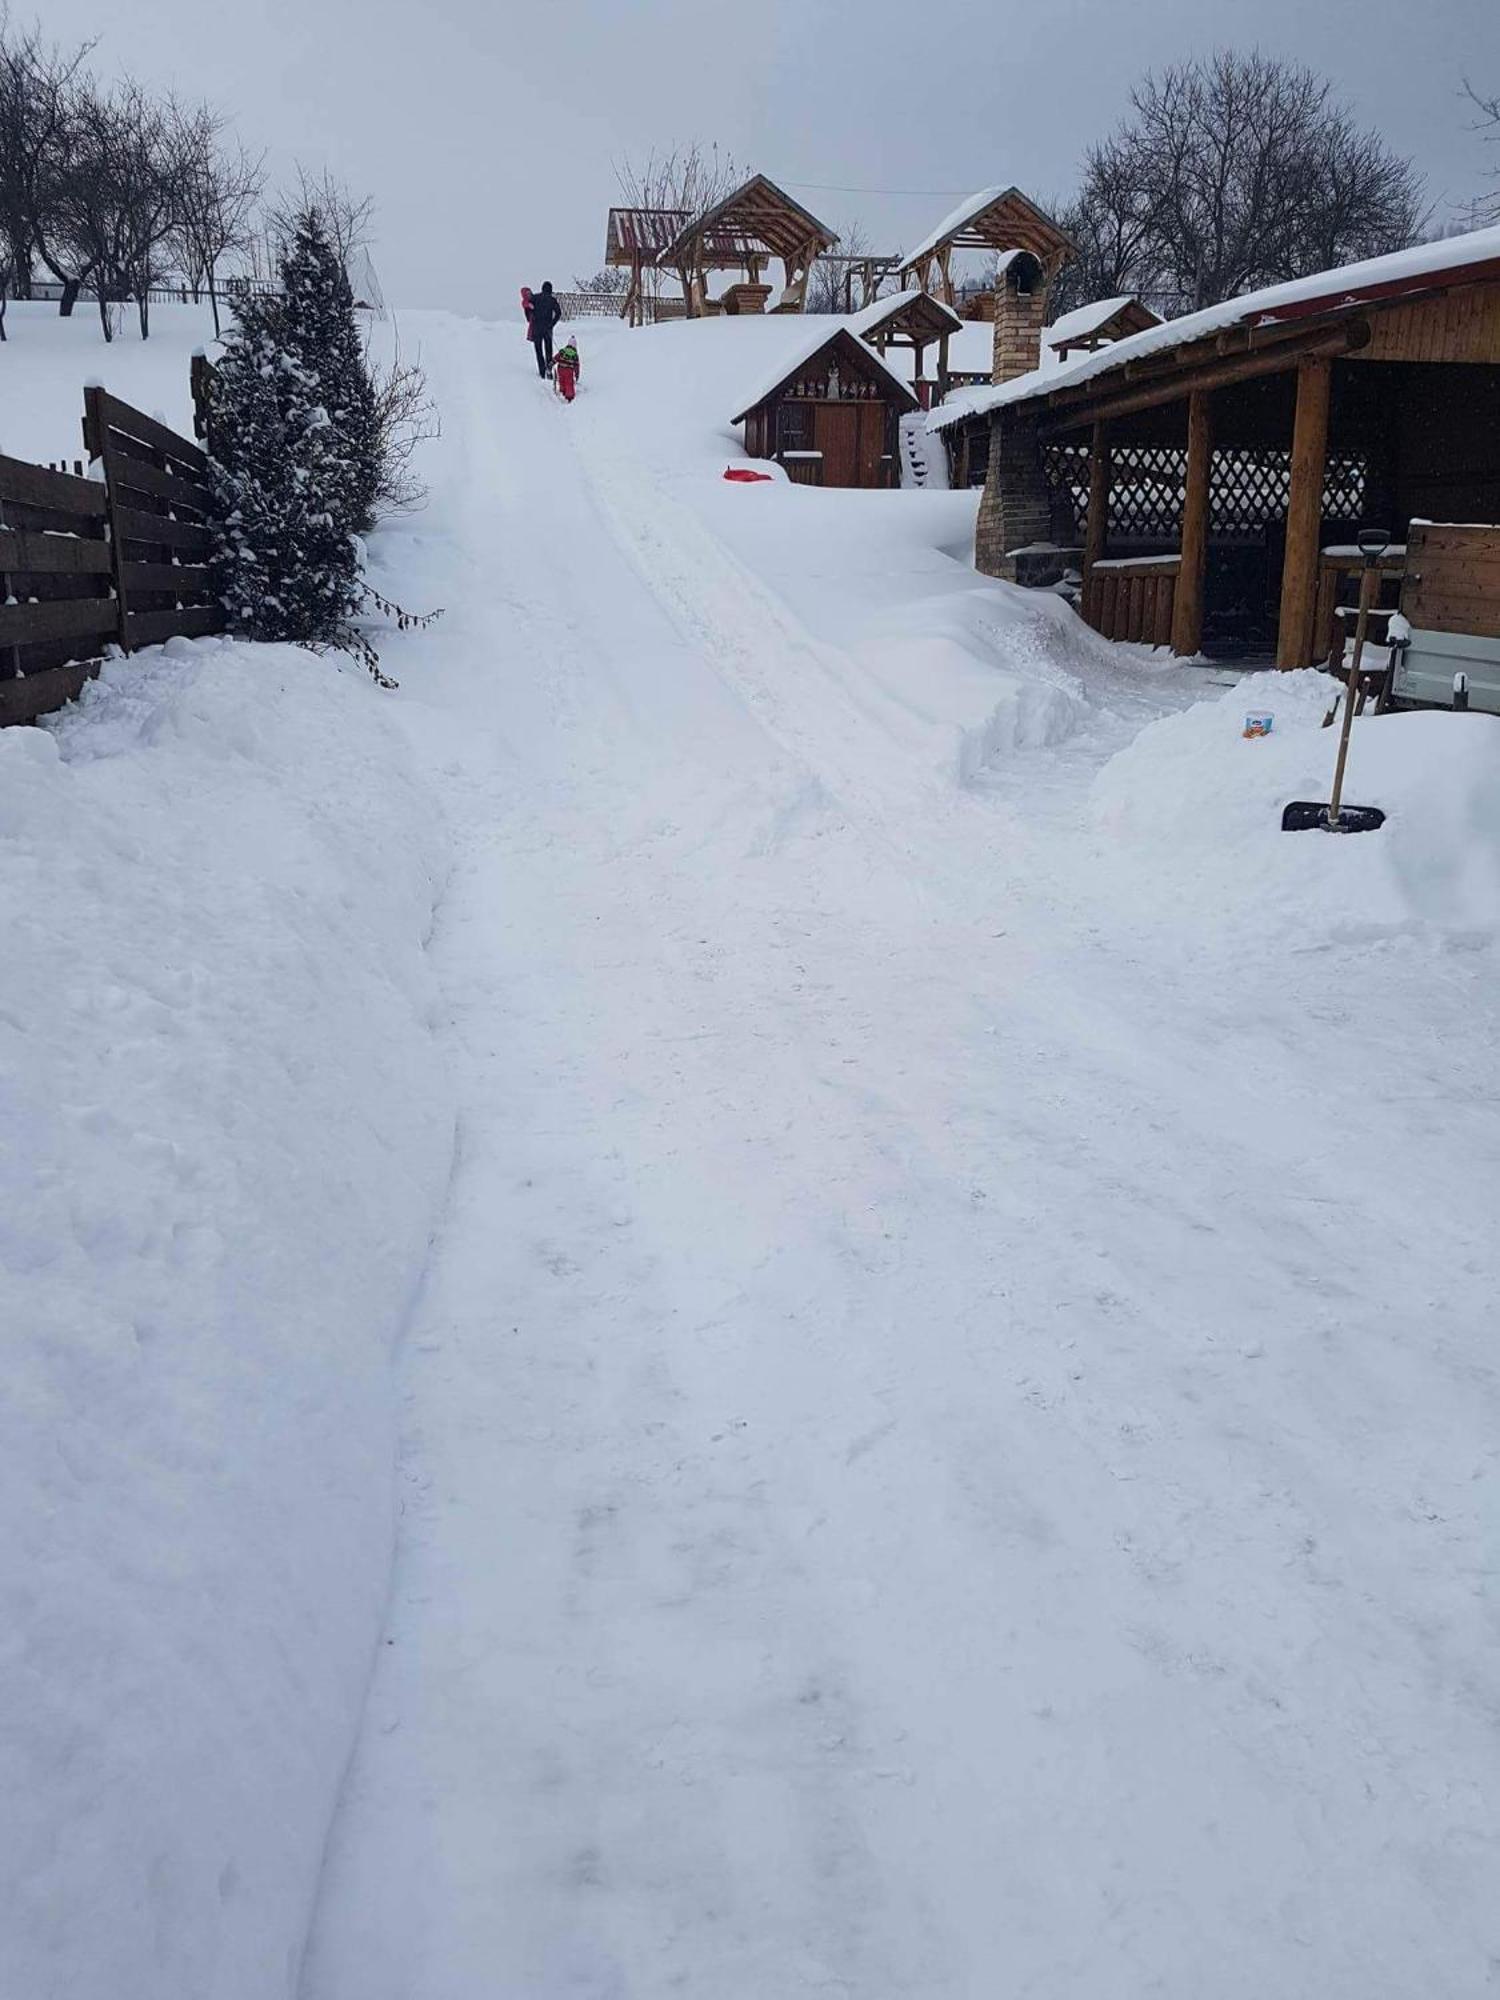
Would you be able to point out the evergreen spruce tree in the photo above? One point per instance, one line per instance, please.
(324, 336)
(286, 565)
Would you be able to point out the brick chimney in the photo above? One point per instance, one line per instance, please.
(1020, 311)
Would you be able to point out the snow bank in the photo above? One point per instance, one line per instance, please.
(51, 358)
(227, 1137)
(1203, 804)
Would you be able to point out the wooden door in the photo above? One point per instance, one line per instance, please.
(836, 435)
(871, 443)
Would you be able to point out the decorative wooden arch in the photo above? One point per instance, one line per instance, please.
(915, 320)
(1096, 325)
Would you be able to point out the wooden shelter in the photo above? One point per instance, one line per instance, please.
(634, 242)
(764, 224)
(914, 320)
(997, 219)
(830, 414)
(1088, 328)
(1216, 468)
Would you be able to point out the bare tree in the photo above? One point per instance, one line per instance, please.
(1230, 172)
(347, 217)
(1487, 208)
(687, 180)
(830, 286)
(119, 197)
(38, 91)
(610, 283)
(218, 194)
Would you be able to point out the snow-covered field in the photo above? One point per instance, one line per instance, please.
(947, 1439)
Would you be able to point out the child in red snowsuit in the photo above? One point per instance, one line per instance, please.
(566, 370)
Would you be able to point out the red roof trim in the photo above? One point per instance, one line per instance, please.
(1442, 279)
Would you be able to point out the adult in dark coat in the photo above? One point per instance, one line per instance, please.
(545, 313)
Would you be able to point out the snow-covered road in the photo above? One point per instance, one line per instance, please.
(910, 1480)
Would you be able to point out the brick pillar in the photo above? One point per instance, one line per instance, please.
(1016, 508)
(1020, 312)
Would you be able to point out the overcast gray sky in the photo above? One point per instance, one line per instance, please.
(487, 131)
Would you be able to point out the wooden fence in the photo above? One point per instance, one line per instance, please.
(1132, 599)
(88, 563)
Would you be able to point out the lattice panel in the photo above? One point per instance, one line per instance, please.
(1249, 489)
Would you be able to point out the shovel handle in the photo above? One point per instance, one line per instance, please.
(1369, 583)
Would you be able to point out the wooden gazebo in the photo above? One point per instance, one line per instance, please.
(635, 241)
(1093, 326)
(997, 219)
(763, 223)
(914, 320)
(829, 413)
(1219, 466)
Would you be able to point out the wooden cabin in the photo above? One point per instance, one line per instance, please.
(916, 321)
(830, 415)
(1213, 471)
(762, 223)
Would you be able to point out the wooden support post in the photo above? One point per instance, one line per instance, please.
(1187, 608)
(1304, 516)
(1096, 528)
(96, 441)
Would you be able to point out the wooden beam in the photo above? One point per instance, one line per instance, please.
(1187, 608)
(1173, 387)
(1304, 516)
(1096, 528)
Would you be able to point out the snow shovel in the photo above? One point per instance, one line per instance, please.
(1303, 815)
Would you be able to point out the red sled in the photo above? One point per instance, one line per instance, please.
(744, 475)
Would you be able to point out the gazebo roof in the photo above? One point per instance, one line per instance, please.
(997, 218)
(759, 212)
(797, 357)
(647, 232)
(1103, 319)
(906, 313)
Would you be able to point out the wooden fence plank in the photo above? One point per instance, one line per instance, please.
(51, 555)
(193, 621)
(65, 618)
(59, 492)
(134, 475)
(133, 526)
(136, 424)
(186, 579)
(39, 693)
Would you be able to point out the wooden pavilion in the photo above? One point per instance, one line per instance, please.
(1215, 468)
(829, 415)
(914, 320)
(1088, 328)
(998, 219)
(763, 223)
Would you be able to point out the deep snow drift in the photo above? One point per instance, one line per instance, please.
(227, 1133)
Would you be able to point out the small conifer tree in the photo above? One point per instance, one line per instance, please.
(286, 565)
(324, 337)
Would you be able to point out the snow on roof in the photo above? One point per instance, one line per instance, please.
(951, 224)
(1084, 320)
(870, 318)
(1347, 284)
(800, 352)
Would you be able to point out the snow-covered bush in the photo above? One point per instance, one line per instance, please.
(323, 336)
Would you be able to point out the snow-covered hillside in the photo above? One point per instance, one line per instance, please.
(946, 1432)
(46, 360)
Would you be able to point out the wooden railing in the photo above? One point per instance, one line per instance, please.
(1132, 598)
